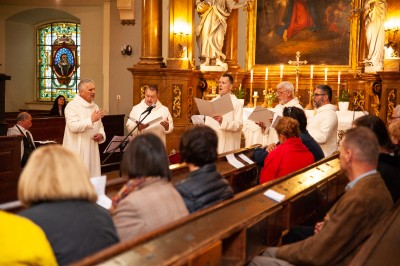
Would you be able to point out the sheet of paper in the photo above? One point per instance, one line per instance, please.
(220, 106)
(233, 161)
(154, 121)
(245, 158)
(263, 115)
(272, 194)
(42, 142)
(99, 184)
(276, 120)
(114, 143)
(198, 119)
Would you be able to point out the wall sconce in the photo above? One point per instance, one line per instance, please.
(126, 50)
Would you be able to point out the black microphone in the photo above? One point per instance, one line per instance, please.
(151, 107)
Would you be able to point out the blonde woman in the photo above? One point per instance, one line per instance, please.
(55, 187)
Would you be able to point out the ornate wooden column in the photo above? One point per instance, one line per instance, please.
(230, 41)
(151, 35)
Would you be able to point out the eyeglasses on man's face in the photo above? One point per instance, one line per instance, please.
(318, 94)
(280, 92)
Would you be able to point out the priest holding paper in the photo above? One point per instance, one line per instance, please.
(158, 122)
(229, 125)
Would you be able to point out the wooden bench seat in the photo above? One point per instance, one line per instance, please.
(236, 230)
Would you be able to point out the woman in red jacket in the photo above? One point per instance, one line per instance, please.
(291, 155)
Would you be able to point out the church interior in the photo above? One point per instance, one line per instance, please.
(125, 45)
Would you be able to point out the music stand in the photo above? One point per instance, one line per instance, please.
(122, 143)
(116, 144)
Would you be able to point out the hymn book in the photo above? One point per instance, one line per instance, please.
(220, 106)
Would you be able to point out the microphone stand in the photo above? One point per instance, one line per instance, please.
(122, 144)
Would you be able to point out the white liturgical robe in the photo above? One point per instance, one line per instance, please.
(79, 131)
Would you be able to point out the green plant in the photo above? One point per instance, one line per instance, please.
(240, 92)
(271, 95)
(344, 96)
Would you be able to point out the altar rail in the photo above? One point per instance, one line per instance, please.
(236, 230)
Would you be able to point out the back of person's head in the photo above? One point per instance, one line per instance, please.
(286, 85)
(326, 90)
(198, 145)
(229, 76)
(298, 114)
(145, 156)
(23, 116)
(394, 131)
(83, 82)
(378, 127)
(54, 173)
(288, 127)
(363, 143)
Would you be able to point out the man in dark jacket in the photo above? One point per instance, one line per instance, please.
(204, 185)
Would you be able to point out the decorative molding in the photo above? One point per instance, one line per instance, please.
(126, 9)
(177, 100)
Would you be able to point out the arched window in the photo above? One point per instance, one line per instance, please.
(58, 60)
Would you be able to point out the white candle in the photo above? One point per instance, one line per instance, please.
(251, 76)
(255, 93)
(266, 73)
(338, 78)
(326, 74)
(281, 74)
(312, 72)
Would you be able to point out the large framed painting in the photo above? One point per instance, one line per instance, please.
(326, 32)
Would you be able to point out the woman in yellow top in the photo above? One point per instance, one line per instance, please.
(23, 243)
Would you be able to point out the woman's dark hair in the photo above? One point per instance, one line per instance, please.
(378, 127)
(298, 114)
(145, 156)
(198, 145)
(54, 110)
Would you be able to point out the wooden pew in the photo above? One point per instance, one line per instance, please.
(234, 231)
(239, 179)
(10, 167)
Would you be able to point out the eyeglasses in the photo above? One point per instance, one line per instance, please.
(318, 94)
(280, 92)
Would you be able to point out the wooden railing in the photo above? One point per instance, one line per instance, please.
(236, 230)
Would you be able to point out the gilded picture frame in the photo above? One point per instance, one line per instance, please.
(329, 36)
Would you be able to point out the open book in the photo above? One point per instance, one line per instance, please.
(220, 106)
(266, 116)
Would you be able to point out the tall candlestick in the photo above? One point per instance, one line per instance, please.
(326, 74)
(266, 73)
(251, 76)
(312, 72)
(338, 78)
(281, 74)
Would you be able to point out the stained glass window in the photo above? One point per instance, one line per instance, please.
(58, 60)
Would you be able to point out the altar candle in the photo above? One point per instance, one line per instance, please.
(251, 76)
(312, 72)
(326, 74)
(266, 73)
(255, 93)
(281, 74)
(338, 78)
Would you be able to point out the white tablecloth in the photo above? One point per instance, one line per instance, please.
(253, 134)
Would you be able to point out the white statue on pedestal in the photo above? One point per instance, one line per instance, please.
(210, 33)
(375, 16)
